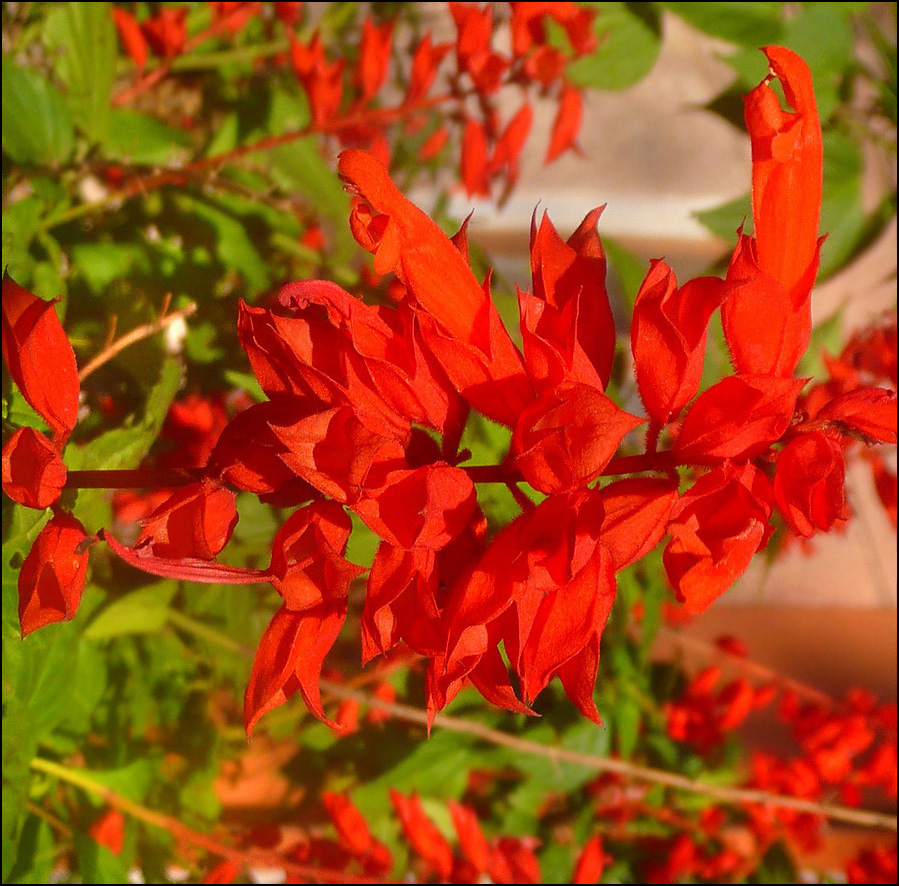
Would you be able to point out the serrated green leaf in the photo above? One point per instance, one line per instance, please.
(82, 36)
(102, 263)
(37, 123)
(629, 39)
(144, 611)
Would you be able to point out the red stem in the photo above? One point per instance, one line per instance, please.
(154, 478)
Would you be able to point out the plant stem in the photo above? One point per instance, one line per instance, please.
(182, 833)
(410, 714)
(135, 335)
(204, 632)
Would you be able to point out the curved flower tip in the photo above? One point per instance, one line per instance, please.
(787, 168)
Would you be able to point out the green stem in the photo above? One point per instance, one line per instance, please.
(204, 632)
(205, 61)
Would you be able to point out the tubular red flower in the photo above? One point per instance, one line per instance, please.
(421, 833)
(738, 418)
(33, 473)
(196, 521)
(567, 123)
(131, 35)
(52, 577)
(567, 326)
(465, 331)
(40, 358)
(715, 529)
(767, 319)
(308, 566)
(809, 486)
(668, 336)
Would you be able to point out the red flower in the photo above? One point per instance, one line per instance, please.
(308, 567)
(196, 521)
(544, 587)
(767, 319)
(474, 167)
(590, 863)
(131, 35)
(529, 26)
(374, 58)
(109, 830)
(567, 326)
(427, 841)
(290, 658)
(33, 472)
(348, 822)
(464, 332)
(166, 32)
(323, 82)
(471, 838)
(425, 63)
(52, 577)
(715, 529)
(567, 123)
(809, 483)
(40, 358)
(668, 335)
(738, 418)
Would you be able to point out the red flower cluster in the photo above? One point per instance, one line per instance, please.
(367, 406)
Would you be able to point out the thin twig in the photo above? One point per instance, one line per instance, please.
(136, 335)
(608, 764)
(750, 667)
(185, 834)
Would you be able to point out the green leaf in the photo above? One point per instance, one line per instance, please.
(37, 123)
(21, 221)
(842, 211)
(132, 781)
(629, 41)
(724, 220)
(747, 24)
(100, 264)
(139, 139)
(144, 611)
(84, 38)
(97, 864)
(36, 855)
(125, 447)
(627, 719)
(233, 245)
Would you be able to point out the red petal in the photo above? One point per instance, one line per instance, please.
(290, 657)
(109, 830)
(668, 335)
(590, 863)
(474, 167)
(40, 358)
(33, 473)
(568, 436)
(349, 823)
(308, 567)
(738, 418)
(809, 486)
(195, 522)
(131, 35)
(186, 569)
(374, 58)
(567, 124)
(52, 577)
(870, 412)
(471, 838)
(637, 511)
(427, 841)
